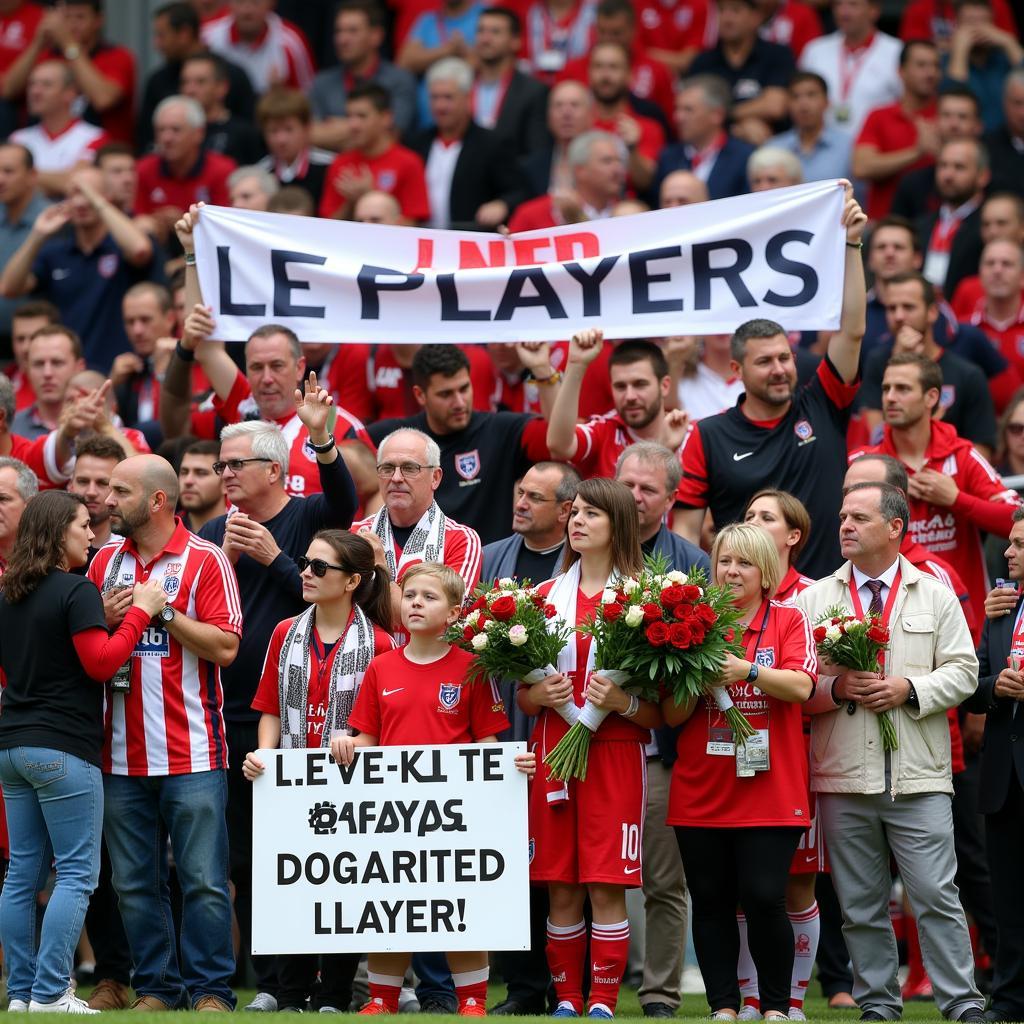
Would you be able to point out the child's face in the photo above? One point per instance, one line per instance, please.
(426, 609)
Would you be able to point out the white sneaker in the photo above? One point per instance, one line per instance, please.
(329, 1009)
(795, 1013)
(67, 1003)
(407, 1001)
(17, 1006)
(263, 1003)
(749, 1012)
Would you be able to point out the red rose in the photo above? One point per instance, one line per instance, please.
(479, 604)
(504, 608)
(652, 612)
(729, 635)
(819, 634)
(621, 597)
(538, 599)
(690, 593)
(836, 621)
(685, 613)
(672, 595)
(612, 611)
(468, 634)
(879, 634)
(706, 614)
(679, 635)
(657, 634)
(697, 634)
(550, 611)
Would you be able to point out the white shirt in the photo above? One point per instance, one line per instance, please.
(76, 144)
(864, 591)
(707, 394)
(873, 82)
(440, 171)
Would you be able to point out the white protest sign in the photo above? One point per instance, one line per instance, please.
(698, 269)
(407, 849)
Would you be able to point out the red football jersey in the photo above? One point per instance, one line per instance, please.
(791, 584)
(16, 31)
(209, 183)
(397, 171)
(1007, 336)
(405, 704)
(268, 697)
(704, 791)
(674, 24)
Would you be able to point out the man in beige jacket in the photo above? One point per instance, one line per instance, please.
(874, 802)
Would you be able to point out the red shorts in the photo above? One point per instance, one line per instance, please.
(597, 834)
(811, 857)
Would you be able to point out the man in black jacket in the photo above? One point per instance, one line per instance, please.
(473, 179)
(999, 695)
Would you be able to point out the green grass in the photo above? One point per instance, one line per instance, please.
(694, 1008)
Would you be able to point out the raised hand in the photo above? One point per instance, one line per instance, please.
(185, 226)
(585, 346)
(51, 219)
(313, 407)
(199, 325)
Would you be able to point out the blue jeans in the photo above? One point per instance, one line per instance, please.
(54, 805)
(192, 809)
(435, 979)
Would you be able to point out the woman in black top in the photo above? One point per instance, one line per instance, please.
(54, 649)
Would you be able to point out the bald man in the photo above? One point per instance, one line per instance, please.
(682, 188)
(376, 207)
(165, 752)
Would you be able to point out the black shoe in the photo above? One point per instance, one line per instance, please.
(515, 1008)
(994, 1015)
(432, 1005)
(658, 1010)
(975, 1015)
(871, 1015)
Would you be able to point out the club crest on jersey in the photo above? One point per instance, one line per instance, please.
(804, 432)
(387, 180)
(106, 265)
(467, 465)
(765, 657)
(172, 568)
(171, 585)
(1020, 344)
(948, 396)
(448, 695)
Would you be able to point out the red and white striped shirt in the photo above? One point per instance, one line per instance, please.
(281, 55)
(77, 143)
(170, 722)
(790, 585)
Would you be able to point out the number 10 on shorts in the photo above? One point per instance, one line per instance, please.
(630, 842)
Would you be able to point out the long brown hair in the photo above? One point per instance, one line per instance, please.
(616, 500)
(793, 511)
(39, 545)
(354, 554)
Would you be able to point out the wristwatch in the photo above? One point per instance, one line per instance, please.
(166, 613)
(913, 701)
(752, 674)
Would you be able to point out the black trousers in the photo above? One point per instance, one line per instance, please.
(835, 973)
(105, 928)
(1004, 841)
(296, 979)
(972, 877)
(526, 972)
(746, 867)
(243, 737)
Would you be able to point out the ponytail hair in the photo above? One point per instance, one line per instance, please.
(355, 555)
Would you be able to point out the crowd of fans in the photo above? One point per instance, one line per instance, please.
(228, 501)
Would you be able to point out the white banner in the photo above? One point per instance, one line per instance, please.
(408, 849)
(700, 269)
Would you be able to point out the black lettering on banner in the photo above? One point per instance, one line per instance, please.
(423, 867)
(469, 755)
(227, 304)
(411, 773)
(284, 285)
(590, 283)
(370, 287)
(316, 769)
(641, 279)
(450, 302)
(792, 268)
(492, 765)
(368, 764)
(289, 869)
(513, 297)
(703, 272)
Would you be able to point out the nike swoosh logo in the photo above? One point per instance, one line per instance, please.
(60, 273)
(631, 871)
(387, 693)
(598, 967)
(736, 457)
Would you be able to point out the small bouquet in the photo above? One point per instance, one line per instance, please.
(658, 629)
(507, 631)
(858, 644)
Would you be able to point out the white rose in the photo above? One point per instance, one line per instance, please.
(646, 597)
(507, 583)
(608, 597)
(833, 633)
(634, 616)
(517, 636)
(676, 576)
(490, 624)
(473, 618)
(665, 583)
(630, 585)
(479, 642)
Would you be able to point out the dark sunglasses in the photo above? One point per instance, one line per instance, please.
(235, 465)
(318, 565)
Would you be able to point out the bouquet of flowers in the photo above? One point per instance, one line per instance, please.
(507, 631)
(660, 629)
(858, 644)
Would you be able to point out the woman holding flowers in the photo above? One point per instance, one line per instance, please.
(739, 809)
(585, 834)
(785, 519)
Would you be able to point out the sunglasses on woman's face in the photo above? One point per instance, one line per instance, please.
(317, 565)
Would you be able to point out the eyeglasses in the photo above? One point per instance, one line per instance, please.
(409, 470)
(318, 565)
(532, 497)
(234, 465)
(1015, 428)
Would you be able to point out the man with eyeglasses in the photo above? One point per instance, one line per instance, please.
(262, 537)
(411, 527)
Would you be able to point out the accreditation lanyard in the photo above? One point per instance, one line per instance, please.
(858, 608)
(489, 118)
(850, 64)
(1017, 642)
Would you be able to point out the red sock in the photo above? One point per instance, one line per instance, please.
(565, 949)
(609, 951)
(471, 985)
(385, 988)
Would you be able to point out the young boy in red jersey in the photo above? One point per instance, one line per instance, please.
(418, 695)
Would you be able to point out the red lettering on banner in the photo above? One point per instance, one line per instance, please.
(517, 252)
(566, 246)
(472, 258)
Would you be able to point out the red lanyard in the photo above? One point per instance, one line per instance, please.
(752, 654)
(710, 150)
(1017, 641)
(946, 226)
(858, 609)
(849, 65)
